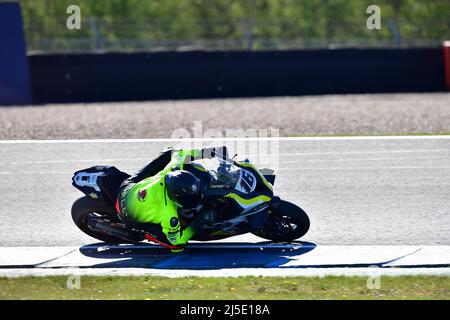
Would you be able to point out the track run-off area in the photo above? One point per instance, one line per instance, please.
(375, 203)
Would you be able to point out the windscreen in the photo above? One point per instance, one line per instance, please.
(226, 175)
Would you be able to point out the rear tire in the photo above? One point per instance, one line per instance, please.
(80, 211)
(286, 214)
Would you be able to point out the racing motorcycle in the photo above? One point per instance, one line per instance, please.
(238, 194)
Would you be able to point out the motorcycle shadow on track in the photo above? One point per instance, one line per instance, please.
(197, 256)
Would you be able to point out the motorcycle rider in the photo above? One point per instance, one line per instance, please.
(149, 200)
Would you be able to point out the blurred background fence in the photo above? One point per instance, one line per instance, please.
(161, 25)
(182, 49)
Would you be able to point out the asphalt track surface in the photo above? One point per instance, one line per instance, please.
(357, 191)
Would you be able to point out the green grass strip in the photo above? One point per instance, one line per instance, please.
(155, 288)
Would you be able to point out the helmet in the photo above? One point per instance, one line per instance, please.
(183, 188)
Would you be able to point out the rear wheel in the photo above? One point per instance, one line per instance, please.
(85, 207)
(286, 222)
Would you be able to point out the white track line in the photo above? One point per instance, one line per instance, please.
(261, 162)
(350, 138)
(364, 168)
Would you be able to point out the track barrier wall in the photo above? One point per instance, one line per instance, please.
(14, 78)
(200, 74)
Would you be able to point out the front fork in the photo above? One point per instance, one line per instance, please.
(276, 201)
(258, 220)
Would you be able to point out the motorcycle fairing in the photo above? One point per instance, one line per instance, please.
(99, 182)
(249, 166)
(249, 203)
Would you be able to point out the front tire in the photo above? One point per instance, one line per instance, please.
(84, 206)
(286, 222)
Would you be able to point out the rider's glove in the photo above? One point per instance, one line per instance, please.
(177, 250)
(209, 153)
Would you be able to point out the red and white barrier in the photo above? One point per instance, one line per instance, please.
(446, 46)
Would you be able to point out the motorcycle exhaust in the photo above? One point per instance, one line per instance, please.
(103, 226)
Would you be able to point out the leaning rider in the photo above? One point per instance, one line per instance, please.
(149, 200)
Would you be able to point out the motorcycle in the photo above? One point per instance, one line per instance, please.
(238, 195)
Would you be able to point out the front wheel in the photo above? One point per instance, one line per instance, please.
(286, 222)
